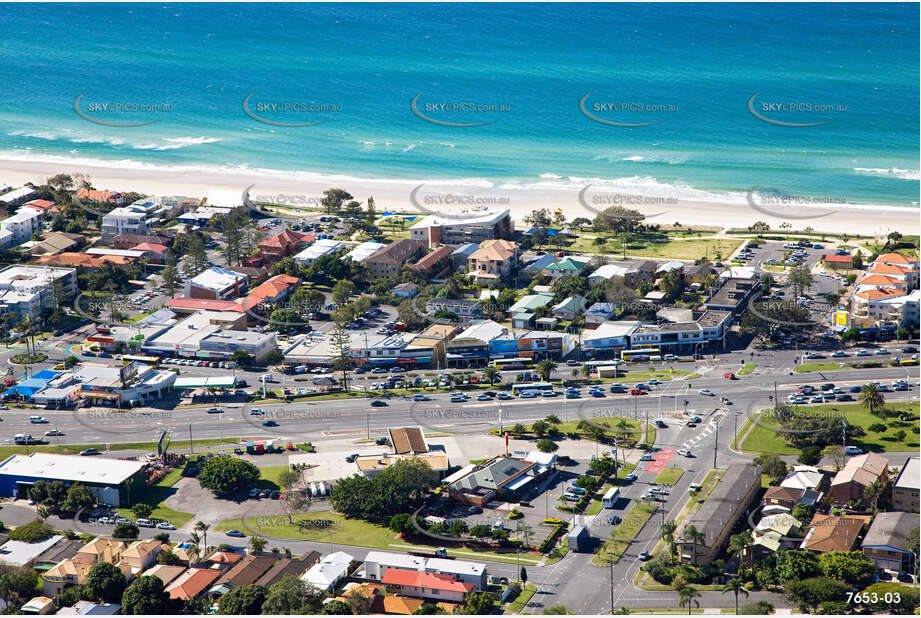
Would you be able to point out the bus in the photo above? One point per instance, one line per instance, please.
(513, 363)
(531, 386)
(610, 497)
(127, 359)
(641, 354)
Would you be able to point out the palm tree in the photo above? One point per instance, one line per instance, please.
(203, 528)
(872, 492)
(735, 586)
(872, 398)
(686, 596)
(545, 368)
(492, 375)
(667, 534)
(257, 543)
(739, 544)
(623, 428)
(695, 537)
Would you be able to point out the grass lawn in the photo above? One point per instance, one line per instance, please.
(595, 505)
(748, 368)
(826, 366)
(269, 477)
(632, 427)
(764, 438)
(669, 476)
(633, 522)
(518, 603)
(350, 532)
(73, 449)
(156, 494)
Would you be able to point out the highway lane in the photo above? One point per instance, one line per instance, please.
(318, 419)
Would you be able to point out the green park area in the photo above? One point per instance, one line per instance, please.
(885, 431)
(156, 494)
(669, 476)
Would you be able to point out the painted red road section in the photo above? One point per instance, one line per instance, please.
(661, 458)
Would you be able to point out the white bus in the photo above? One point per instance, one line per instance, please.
(610, 497)
(322, 488)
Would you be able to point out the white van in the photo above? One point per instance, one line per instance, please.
(145, 523)
(313, 489)
(322, 488)
(853, 450)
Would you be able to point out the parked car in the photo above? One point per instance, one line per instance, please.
(684, 452)
(706, 392)
(614, 520)
(89, 451)
(630, 477)
(853, 450)
(235, 533)
(644, 556)
(269, 423)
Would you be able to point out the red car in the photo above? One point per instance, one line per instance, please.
(637, 391)
(729, 376)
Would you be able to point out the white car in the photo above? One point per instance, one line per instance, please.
(684, 452)
(707, 392)
(853, 450)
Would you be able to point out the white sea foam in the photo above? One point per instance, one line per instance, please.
(647, 186)
(892, 171)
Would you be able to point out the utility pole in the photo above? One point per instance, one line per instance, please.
(611, 567)
(716, 444)
(843, 434)
(368, 425)
(191, 448)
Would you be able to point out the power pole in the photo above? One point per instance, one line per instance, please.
(716, 444)
(191, 448)
(611, 566)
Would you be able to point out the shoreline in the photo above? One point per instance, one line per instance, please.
(401, 195)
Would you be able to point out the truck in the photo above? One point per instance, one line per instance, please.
(578, 539)
(441, 552)
(25, 438)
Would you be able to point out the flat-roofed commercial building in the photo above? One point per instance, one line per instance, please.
(113, 481)
(210, 334)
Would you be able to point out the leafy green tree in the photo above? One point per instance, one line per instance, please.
(773, 466)
(761, 608)
(106, 582)
(17, 584)
(800, 278)
(170, 276)
(546, 445)
(851, 567)
(196, 258)
(803, 513)
(78, 497)
(125, 531)
(227, 475)
(33, 532)
(146, 596)
(142, 510)
(291, 596)
(540, 427)
(402, 523)
(902, 600)
(811, 593)
(336, 608)
(796, 564)
(342, 291)
(478, 603)
(243, 600)
(911, 541)
(429, 609)
(257, 543)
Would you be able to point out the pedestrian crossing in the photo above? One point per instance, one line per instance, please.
(704, 433)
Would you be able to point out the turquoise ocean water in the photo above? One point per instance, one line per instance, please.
(521, 68)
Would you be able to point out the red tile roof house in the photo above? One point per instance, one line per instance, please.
(192, 583)
(426, 585)
(127, 241)
(287, 243)
(156, 254)
(859, 473)
(838, 261)
(101, 196)
(45, 206)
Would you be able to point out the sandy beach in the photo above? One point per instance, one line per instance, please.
(413, 196)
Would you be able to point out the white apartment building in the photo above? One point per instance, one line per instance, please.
(29, 290)
(18, 228)
(130, 219)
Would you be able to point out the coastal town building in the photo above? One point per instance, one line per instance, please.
(905, 487)
(387, 261)
(434, 230)
(30, 290)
